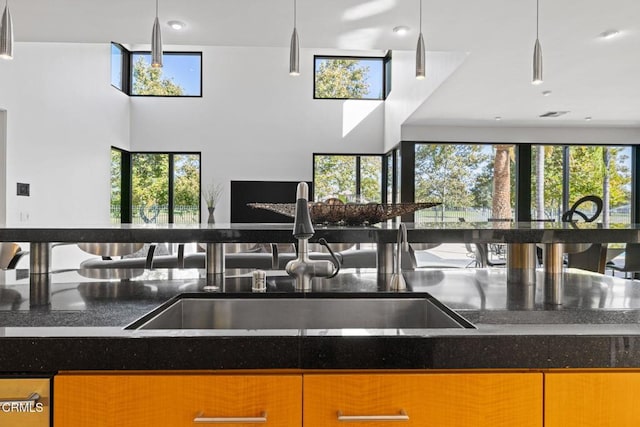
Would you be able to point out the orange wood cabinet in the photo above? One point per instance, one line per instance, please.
(592, 399)
(442, 400)
(24, 402)
(128, 400)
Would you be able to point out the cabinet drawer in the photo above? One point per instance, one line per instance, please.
(442, 400)
(25, 402)
(592, 399)
(176, 400)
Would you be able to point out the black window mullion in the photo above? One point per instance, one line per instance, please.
(565, 178)
(126, 72)
(126, 216)
(523, 182)
(358, 178)
(635, 185)
(171, 185)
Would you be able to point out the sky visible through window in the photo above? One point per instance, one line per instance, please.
(374, 77)
(116, 66)
(183, 69)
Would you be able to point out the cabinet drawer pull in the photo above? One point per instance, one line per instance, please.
(33, 398)
(261, 419)
(402, 416)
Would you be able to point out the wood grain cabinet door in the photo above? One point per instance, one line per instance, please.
(592, 399)
(438, 400)
(177, 400)
(25, 402)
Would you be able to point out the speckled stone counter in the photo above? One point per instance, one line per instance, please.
(83, 328)
(450, 232)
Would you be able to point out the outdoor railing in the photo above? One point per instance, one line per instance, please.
(159, 214)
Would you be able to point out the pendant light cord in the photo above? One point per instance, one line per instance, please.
(420, 16)
(295, 13)
(156, 8)
(537, 16)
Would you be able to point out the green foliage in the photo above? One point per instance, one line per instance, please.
(150, 179)
(482, 190)
(335, 176)
(448, 173)
(116, 177)
(186, 191)
(341, 78)
(586, 175)
(371, 178)
(148, 80)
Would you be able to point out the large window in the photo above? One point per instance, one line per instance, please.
(118, 67)
(563, 174)
(485, 182)
(473, 182)
(181, 75)
(163, 187)
(341, 77)
(350, 178)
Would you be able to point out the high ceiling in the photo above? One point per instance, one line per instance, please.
(587, 75)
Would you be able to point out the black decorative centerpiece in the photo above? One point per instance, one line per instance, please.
(334, 211)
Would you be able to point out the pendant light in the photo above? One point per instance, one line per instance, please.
(6, 34)
(537, 53)
(294, 50)
(420, 52)
(156, 42)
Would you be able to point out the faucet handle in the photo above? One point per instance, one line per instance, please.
(402, 237)
(302, 227)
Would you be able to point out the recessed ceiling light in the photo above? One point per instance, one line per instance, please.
(177, 25)
(401, 30)
(498, 118)
(546, 93)
(609, 34)
(588, 118)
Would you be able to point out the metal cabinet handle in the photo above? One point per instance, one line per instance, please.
(261, 419)
(33, 398)
(402, 416)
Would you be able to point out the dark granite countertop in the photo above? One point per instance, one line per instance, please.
(497, 232)
(83, 328)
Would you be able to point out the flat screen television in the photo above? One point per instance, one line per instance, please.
(243, 192)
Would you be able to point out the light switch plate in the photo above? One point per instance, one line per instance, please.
(23, 189)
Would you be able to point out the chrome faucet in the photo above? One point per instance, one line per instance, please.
(397, 282)
(303, 268)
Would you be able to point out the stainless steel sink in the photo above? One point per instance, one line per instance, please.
(301, 312)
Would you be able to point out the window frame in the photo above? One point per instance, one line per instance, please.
(124, 69)
(383, 61)
(126, 189)
(166, 53)
(127, 71)
(523, 184)
(358, 171)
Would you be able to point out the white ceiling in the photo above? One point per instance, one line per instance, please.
(588, 76)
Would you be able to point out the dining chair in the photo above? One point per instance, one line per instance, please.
(631, 263)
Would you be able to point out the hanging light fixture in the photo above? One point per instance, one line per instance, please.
(6, 34)
(294, 50)
(537, 52)
(156, 42)
(420, 52)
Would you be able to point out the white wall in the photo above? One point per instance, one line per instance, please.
(3, 168)
(558, 135)
(62, 118)
(255, 122)
(408, 93)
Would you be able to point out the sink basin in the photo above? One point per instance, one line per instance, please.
(292, 311)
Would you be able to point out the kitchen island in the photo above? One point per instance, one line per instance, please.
(82, 328)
